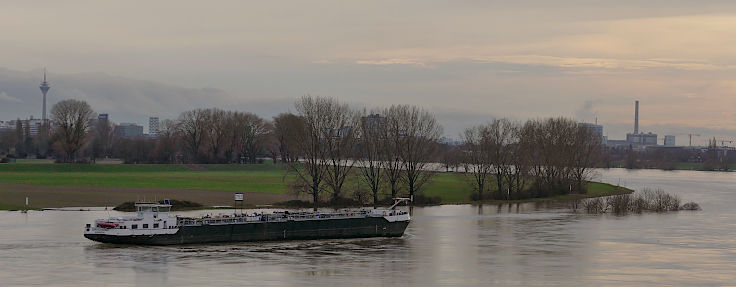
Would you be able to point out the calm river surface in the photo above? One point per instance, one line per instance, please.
(461, 245)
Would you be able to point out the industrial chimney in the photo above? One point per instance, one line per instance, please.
(636, 118)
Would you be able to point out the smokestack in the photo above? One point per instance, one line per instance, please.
(636, 118)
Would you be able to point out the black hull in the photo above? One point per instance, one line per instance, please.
(267, 231)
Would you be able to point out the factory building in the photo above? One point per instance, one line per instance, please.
(669, 140)
(637, 138)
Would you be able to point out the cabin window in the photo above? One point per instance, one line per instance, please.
(155, 225)
(145, 225)
(134, 226)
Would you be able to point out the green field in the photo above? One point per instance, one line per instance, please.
(261, 178)
(266, 178)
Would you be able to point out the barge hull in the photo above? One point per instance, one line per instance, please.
(267, 231)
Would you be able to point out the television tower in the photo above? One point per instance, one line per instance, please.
(44, 89)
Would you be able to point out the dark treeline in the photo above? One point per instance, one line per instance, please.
(199, 136)
(713, 157)
(329, 147)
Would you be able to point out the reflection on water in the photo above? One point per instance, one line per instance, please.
(456, 245)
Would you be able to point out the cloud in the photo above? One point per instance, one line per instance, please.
(4, 97)
(604, 63)
(395, 61)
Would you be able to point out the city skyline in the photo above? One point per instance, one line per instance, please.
(584, 113)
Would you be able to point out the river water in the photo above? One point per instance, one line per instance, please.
(534, 244)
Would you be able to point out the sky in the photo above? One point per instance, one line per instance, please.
(466, 61)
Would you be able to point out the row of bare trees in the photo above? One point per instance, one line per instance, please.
(534, 159)
(218, 136)
(391, 146)
(197, 136)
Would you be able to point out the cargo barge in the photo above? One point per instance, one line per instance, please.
(153, 225)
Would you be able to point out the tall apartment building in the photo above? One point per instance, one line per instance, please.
(153, 126)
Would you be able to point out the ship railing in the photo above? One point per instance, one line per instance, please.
(271, 217)
(210, 220)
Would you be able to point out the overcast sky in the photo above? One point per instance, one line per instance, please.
(467, 61)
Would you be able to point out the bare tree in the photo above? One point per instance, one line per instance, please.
(521, 157)
(216, 136)
(372, 145)
(552, 140)
(167, 143)
(478, 154)
(253, 131)
(393, 163)
(192, 128)
(102, 140)
(285, 127)
(42, 141)
(309, 140)
(587, 149)
(418, 132)
(501, 137)
(72, 122)
(7, 140)
(341, 126)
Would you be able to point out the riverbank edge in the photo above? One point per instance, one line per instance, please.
(611, 190)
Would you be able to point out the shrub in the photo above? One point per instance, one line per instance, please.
(690, 206)
(594, 205)
(645, 200)
(574, 205)
(620, 204)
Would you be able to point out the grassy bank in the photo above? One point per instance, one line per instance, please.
(57, 185)
(235, 178)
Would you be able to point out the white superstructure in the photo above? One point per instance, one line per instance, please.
(151, 218)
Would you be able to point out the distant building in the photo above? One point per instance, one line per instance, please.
(669, 140)
(637, 138)
(128, 130)
(373, 121)
(153, 125)
(34, 125)
(103, 117)
(6, 127)
(596, 129)
(642, 139)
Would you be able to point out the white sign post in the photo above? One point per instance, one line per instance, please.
(238, 196)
